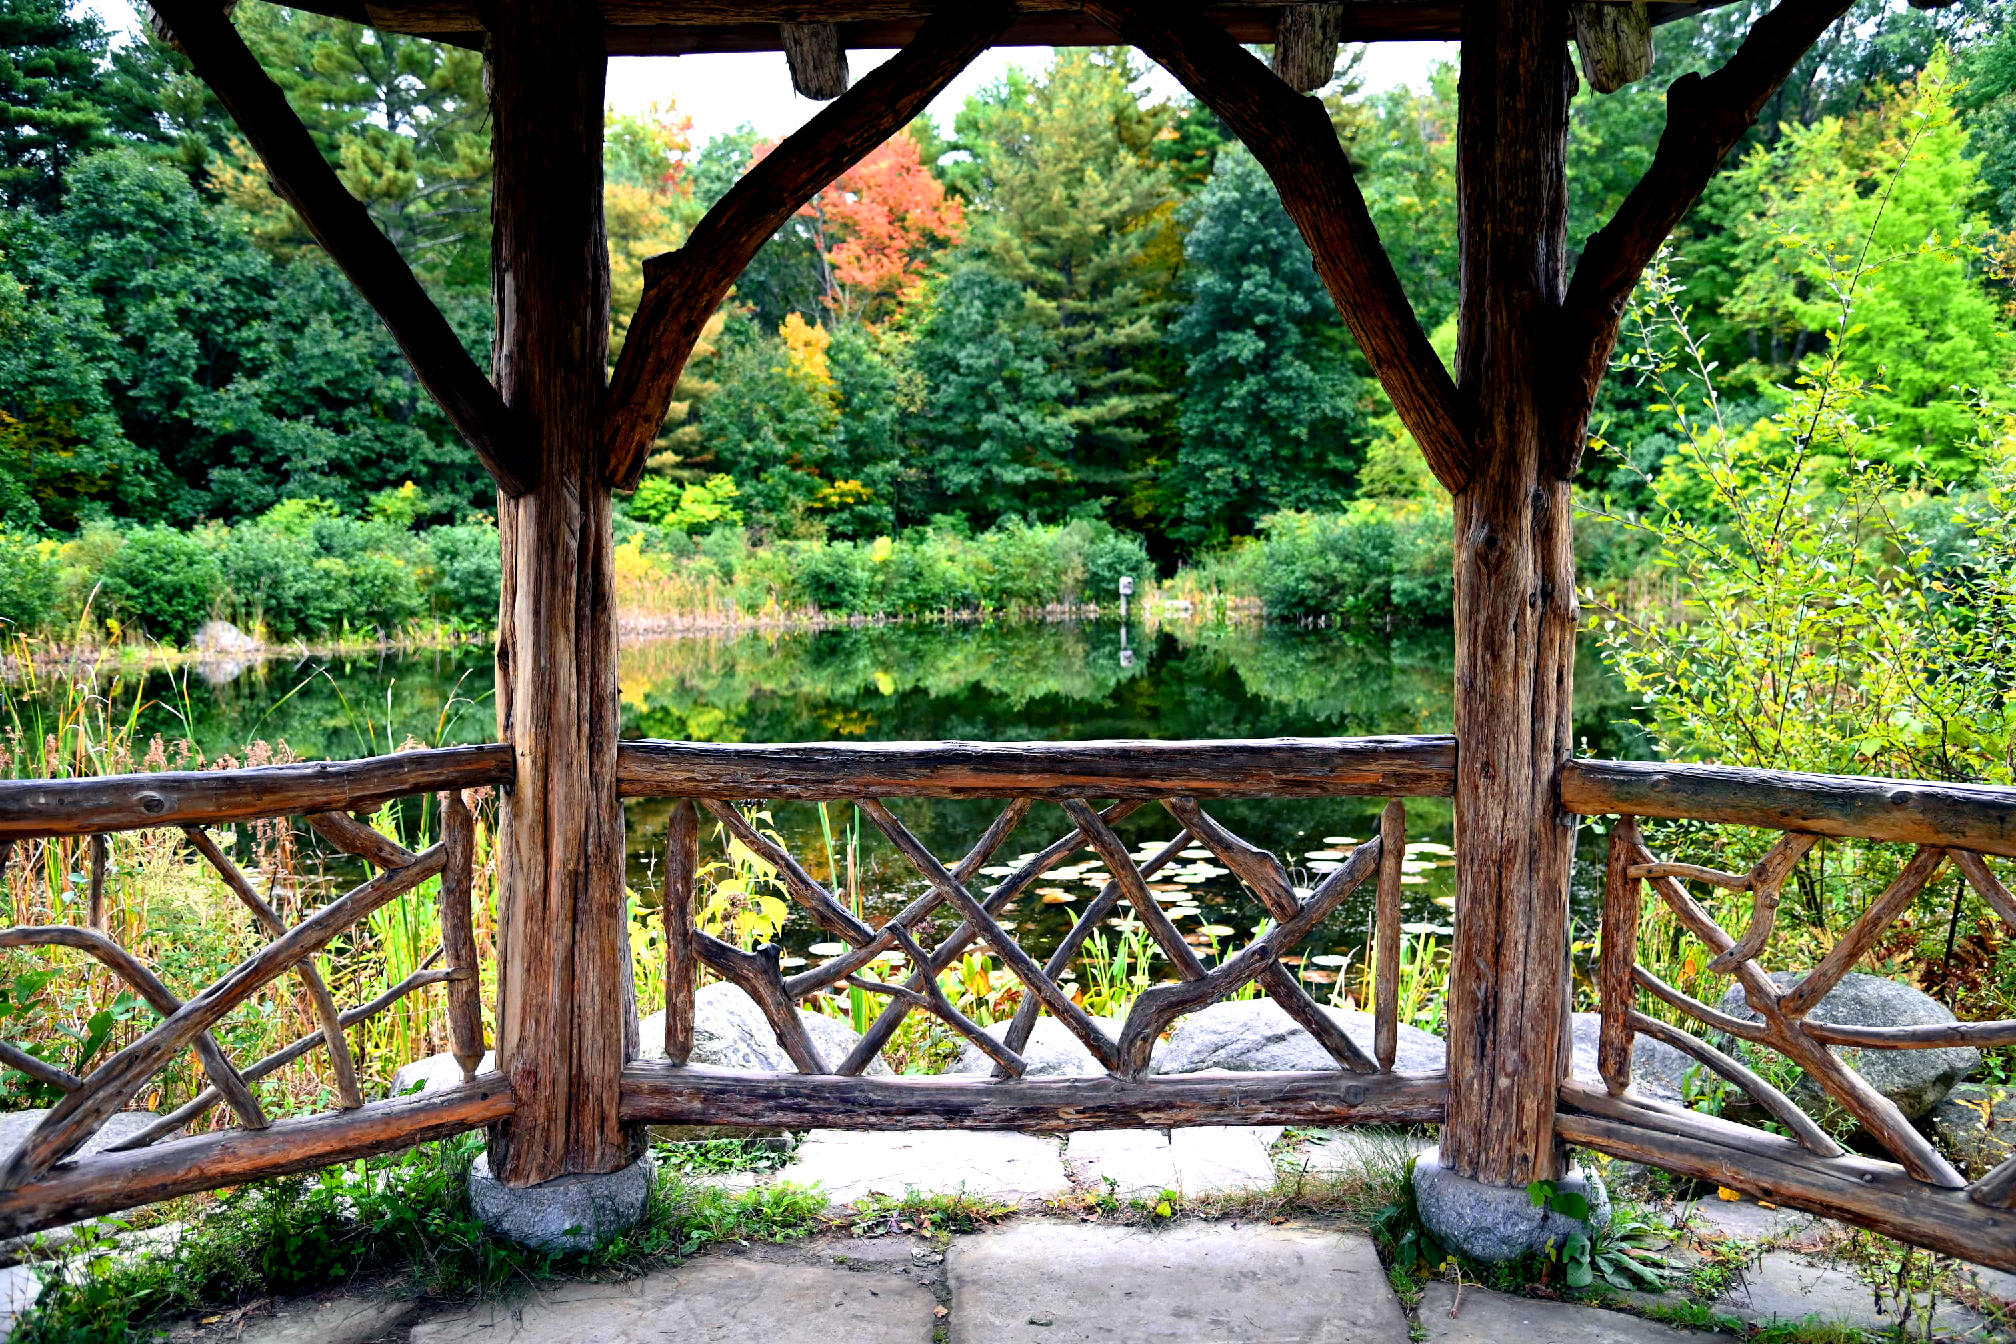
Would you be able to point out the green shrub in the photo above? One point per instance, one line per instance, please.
(831, 576)
(28, 583)
(468, 570)
(1376, 562)
(164, 581)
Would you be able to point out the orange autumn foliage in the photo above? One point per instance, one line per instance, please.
(877, 224)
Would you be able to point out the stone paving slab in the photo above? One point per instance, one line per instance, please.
(1485, 1317)
(1204, 1160)
(712, 1299)
(1198, 1283)
(354, 1318)
(1791, 1288)
(850, 1165)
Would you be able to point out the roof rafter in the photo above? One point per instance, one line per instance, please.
(340, 223)
(1291, 135)
(683, 288)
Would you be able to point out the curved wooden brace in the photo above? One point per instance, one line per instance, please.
(1996, 1190)
(1160, 1005)
(1292, 137)
(347, 1091)
(757, 975)
(883, 1027)
(804, 888)
(354, 837)
(190, 1110)
(1709, 1017)
(1097, 910)
(1984, 882)
(118, 1079)
(41, 1070)
(1012, 956)
(1799, 1000)
(1268, 880)
(458, 932)
(683, 288)
(1767, 880)
(933, 1000)
(216, 1065)
(1811, 1137)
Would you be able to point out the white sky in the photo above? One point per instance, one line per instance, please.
(721, 92)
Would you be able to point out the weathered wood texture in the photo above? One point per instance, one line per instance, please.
(564, 991)
(1283, 767)
(1305, 45)
(39, 807)
(1615, 42)
(1515, 603)
(683, 288)
(1705, 118)
(1980, 817)
(1386, 933)
(1876, 1195)
(340, 223)
(1617, 954)
(115, 1082)
(106, 1182)
(656, 1093)
(458, 933)
(677, 28)
(682, 967)
(1292, 137)
(818, 62)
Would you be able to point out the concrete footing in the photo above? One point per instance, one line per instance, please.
(1496, 1223)
(572, 1213)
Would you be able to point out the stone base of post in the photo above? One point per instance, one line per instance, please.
(570, 1213)
(1496, 1223)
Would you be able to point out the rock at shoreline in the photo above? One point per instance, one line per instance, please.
(730, 1032)
(1258, 1036)
(1052, 1051)
(1917, 1080)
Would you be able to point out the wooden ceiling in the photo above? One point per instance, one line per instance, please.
(682, 27)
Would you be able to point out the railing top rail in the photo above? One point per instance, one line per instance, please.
(39, 807)
(1978, 817)
(1276, 767)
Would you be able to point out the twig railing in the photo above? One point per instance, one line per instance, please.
(1920, 1198)
(38, 1187)
(1176, 777)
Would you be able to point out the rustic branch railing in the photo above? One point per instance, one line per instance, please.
(1075, 776)
(1094, 787)
(1921, 1197)
(39, 1188)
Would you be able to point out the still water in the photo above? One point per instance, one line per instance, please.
(930, 681)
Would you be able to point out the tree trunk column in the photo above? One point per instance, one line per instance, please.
(565, 1021)
(1515, 604)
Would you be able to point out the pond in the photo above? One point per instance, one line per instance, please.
(1005, 682)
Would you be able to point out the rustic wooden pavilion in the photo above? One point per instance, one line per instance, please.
(559, 434)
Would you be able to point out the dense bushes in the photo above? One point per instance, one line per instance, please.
(300, 571)
(1374, 562)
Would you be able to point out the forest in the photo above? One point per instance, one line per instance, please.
(1072, 315)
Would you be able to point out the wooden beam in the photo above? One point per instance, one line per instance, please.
(1615, 42)
(1515, 604)
(566, 1019)
(107, 1182)
(1871, 1194)
(1305, 45)
(38, 807)
(1978, 817)
(1281, 767)
(340, 223)
(683, 288)
(659, 1094)
(1292, 137)
(1705, 117)
(818, 62)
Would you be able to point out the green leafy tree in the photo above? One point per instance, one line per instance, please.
(1268, 363)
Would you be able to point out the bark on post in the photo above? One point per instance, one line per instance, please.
(563, 976)
(1515, 603)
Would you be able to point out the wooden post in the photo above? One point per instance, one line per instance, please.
(1515, 602)
(565, 1019)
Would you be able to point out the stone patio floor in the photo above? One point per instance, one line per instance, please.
(1058, 1274)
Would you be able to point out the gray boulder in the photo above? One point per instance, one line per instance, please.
(16, 1126)
(1657, 1069)
(435, 1072)
(222, 637)
(1496, 1223)
(1052, 1051)
(730, 1032)
(1258, 1036)
(1917, 1080)
(1976, 1126)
